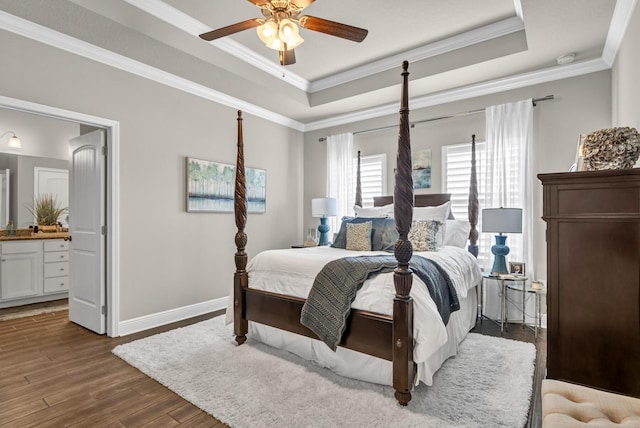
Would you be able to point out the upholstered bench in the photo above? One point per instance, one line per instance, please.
(565, 405)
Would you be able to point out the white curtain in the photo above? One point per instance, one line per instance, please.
(509, 131)
(340, 177)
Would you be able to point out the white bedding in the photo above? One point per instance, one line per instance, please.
(292, 271)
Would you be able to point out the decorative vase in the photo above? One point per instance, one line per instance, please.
(47, 228)
(611, 148)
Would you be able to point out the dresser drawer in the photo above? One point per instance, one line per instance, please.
(56, 269)
(56, 256)
(56, 245)
(53, 285)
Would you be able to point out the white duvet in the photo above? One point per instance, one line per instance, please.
(292, 271)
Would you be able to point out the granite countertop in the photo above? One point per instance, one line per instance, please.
(39, 235)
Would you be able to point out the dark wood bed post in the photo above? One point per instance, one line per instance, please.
(403, 366)
(473, 202)
(358, 184)
(240, 278)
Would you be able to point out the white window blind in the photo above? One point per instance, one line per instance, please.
(372, 177)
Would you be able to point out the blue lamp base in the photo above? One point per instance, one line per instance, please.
(500, 250)
(323, 228)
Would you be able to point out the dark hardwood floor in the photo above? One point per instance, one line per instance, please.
(54, 373)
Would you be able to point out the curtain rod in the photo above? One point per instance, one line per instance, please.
(535, 102)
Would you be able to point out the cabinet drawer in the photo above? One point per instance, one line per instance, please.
(56, 269)
(20, 247)
(52, 285)
(56, 245)
(56, 256)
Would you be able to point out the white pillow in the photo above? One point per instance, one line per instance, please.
(383, 211)
(439, 213)
(457, 233)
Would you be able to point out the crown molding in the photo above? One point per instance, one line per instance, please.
(172, 16)
(466, 92)
(469, 38)
(618, 27)
(70, 44)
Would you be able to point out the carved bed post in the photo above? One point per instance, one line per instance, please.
(358, 184)
(403, 365)
(240, 278)
(473, 201)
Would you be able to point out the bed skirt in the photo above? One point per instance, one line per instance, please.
(356, 365)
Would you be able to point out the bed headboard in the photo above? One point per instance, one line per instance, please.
(428, 200)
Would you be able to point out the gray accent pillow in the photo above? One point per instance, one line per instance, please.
(384, 235)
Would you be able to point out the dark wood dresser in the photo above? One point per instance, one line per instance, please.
(593, 278)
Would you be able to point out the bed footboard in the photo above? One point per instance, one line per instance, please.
(374, 334)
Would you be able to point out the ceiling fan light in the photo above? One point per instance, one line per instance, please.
(295, 44)
(267, 32)
(288, 32)
(276, 44)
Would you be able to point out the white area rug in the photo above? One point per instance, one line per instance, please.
(488, 384)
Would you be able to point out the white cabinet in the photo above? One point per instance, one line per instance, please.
(20, 269)
(56, 266)
(33, 271)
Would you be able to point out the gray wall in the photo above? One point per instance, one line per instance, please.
(581, 104)
(168, 258)
(626, 84)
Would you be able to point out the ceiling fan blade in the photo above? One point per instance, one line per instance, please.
(301, 4)
(287, 57)
(231, 29)
(258, 2)
(333, 28)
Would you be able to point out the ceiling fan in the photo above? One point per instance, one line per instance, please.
(278, 29)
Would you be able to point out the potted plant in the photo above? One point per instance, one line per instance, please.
(46, 210)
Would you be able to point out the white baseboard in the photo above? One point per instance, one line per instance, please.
(167, 317)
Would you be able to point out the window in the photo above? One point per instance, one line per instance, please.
(372, 177)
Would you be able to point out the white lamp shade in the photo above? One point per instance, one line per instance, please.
(15, 143)
(324, 207)
(502, 220)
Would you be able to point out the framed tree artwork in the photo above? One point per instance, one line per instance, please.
(210, 187)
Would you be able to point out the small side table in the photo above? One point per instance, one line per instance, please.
(505, 282)
(539, 293)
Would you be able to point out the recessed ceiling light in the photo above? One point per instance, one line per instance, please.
(566, 58)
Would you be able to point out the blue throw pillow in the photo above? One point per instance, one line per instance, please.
(384, 236)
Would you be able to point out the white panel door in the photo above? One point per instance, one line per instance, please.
(55, 182)
(87, 291)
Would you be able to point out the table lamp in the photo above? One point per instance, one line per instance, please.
(501, 220)
(323, 208)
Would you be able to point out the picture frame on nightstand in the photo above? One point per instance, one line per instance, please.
(517, 268)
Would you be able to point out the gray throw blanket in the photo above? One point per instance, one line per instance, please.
(334, 289)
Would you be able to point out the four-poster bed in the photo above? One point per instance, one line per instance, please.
(387, 337)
